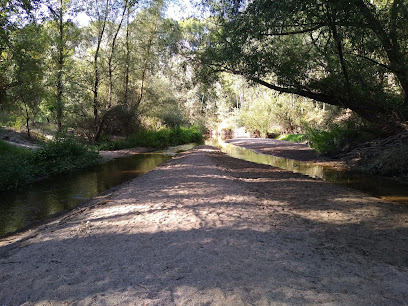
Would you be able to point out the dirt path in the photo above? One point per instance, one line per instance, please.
(205, 229)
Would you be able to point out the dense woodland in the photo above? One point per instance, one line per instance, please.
(328, 69)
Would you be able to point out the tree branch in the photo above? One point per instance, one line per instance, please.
(329, 99)
(281, 33)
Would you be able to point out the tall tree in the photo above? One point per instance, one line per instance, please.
(147, 25)
(111, 54)
(62, 43)
(28, 71)
(10, 22)
(98, 12)
(349, 53)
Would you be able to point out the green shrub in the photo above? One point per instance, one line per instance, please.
(156, 139)
(20, 166)
(16, 166)
(64, 155)
(336, 139)
(329, 141)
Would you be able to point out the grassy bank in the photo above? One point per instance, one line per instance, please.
(156, 139)
(20, 165)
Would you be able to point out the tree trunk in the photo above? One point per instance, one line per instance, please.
(145, 65)
(96, 70)
(127, 61)
(110, 72)
(60, 84)
(112, 53)
(339, 47)
(27, 118)
(385, 118)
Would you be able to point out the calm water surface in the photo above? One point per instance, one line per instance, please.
(377, 186)
(46, 197)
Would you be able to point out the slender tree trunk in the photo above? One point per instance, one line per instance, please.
(145, 65)
(60, 75)
(110, 72)
(96, 68)
(127, 61)
(112, 53)
(27, 118)
(339, 47)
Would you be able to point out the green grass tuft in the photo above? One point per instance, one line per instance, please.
(293, 137)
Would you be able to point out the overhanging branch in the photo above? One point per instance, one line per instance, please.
(321, 97)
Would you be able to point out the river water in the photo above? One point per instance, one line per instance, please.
(40, 200)
(384, 188)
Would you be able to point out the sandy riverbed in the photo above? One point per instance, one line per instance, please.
(205, 229)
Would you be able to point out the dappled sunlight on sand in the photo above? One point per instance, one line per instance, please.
(222, 232)
(335, 217)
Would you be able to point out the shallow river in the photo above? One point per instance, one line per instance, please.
(46, 197)
(377, 186)
(40, 200)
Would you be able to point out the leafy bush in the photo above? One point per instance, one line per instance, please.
(64, 155)
(20, 166)
(326, 142)
(16, 166)
(336, 138)
(156, 139)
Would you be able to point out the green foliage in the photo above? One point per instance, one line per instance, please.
(20, 166)
(156, 139)
(337, 138)
(293, 137)
(268, 111)
(330, 51)
(64, 155)
(16, 166)
(326, 142)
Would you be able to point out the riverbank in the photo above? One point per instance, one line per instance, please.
(286, 149)
(207, 228)
(280, 148)
(384, 157)
(109, 155)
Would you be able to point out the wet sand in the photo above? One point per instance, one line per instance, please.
(207, 229)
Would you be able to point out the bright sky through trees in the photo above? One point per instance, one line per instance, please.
(177, 10)
(181, 9)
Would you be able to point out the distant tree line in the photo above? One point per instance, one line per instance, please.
(93, 78)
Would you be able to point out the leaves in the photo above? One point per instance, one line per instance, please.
(338, 52)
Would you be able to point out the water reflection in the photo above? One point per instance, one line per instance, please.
(375, 185)
(46, 197)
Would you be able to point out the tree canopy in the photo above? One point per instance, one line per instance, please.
(130, 65)
(348, 53)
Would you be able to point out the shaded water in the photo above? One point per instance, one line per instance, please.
(377, 186)
(49, 196)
